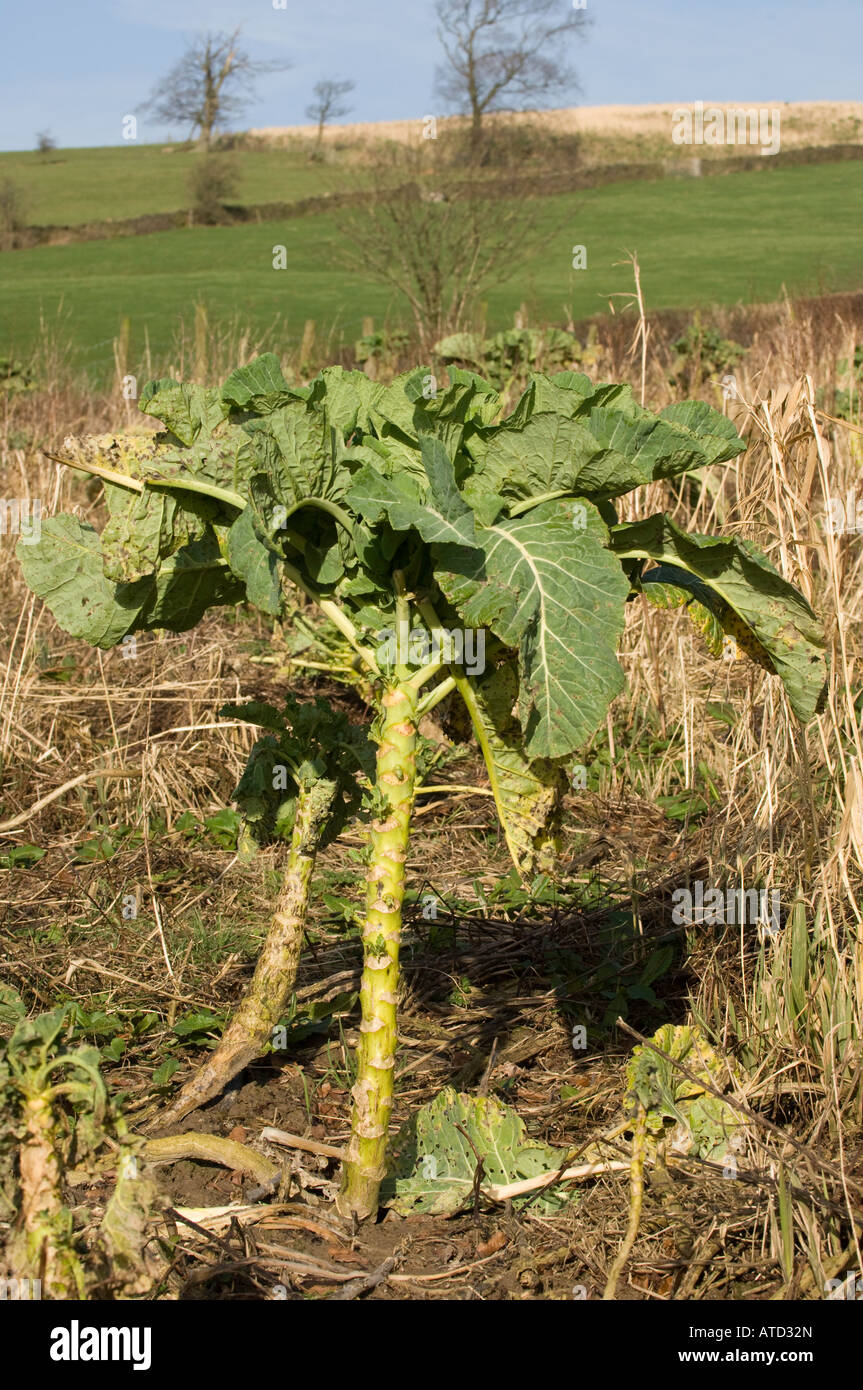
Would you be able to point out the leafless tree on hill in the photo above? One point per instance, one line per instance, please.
(503, 53)
(329, 104)
(212, 82)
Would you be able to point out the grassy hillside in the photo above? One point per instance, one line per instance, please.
(739, 237)
(69, 187)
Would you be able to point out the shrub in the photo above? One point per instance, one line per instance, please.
(13, 215)
(212, 183)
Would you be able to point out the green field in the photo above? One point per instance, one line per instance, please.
(738, 237)
(68, 187)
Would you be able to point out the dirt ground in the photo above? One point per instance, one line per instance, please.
(488, 1000)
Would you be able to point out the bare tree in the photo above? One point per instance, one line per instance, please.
(503, 52)
(328, 104)
(45, 142)
(439, 241)
(212, 82)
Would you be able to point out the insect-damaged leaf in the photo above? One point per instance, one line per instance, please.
(65, 569)
(433, 1161)
(145, 527)
(185, 410)
(545, 584)
(185, 587)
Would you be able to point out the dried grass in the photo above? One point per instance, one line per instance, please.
(804, 123)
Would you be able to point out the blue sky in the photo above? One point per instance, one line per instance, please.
(76, 67)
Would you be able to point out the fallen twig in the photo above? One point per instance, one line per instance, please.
(367, 1281)
(82, 777)
(296, 1141)
(210, 1148)
(503, 1192)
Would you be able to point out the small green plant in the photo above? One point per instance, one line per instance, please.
(103, 847)
(513, 354)
(55, 1108)
(460, 993)
(21, 857)
(15, 376)
(457, 549)
(700, 354)
(378, 352)
(847, 400)
(109, 1031)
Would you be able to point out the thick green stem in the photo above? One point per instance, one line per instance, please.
(335, 614)
(267, 996)
(530, 502)
(433, 697)
(324, 505)
(198, 485)
(465, 688)
(365, 1159)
